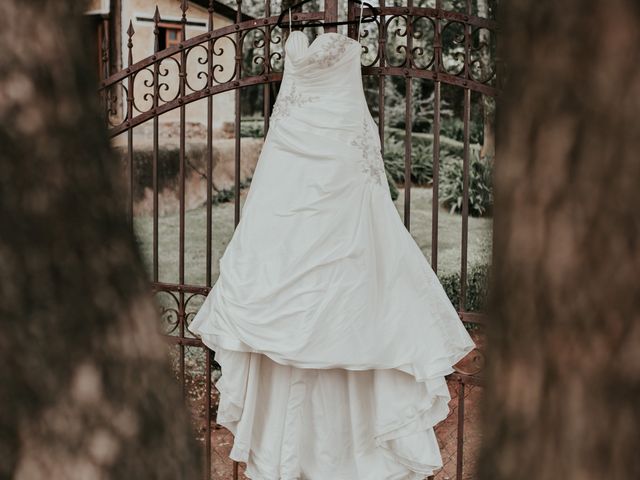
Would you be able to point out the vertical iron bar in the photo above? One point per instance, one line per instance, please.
(460, 434)
(238, 117)
(408, 120)
(209, 241)
(382, 42)
(407, 151)
(465, 167)
(183, 73)
(105, 64)
(238, 76)
(266, 88)
(352, 30)
(130, 172)
(435, 203)
(107, 36)
(465, 201)
(130, 33)
(156, 92)
(331, 14)
(207, 429)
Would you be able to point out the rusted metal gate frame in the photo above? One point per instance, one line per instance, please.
(124, 80)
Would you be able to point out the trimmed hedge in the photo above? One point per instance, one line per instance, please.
(252, 128)
(421, 163)
(227, 194)
(477, 287)
(480, 185)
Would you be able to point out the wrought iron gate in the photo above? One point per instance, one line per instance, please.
(406, 43)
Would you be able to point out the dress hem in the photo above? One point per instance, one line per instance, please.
(422, 418)
(439, 367)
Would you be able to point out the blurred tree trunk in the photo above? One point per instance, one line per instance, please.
(87, 391)
(563, 379)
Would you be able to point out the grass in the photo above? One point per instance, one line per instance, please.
(449, 237)
(449, 232)
(449, 241)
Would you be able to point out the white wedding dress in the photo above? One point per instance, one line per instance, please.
(333, 333)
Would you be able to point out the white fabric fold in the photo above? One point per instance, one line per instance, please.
(333, 332)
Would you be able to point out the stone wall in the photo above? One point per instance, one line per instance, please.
(195, 174)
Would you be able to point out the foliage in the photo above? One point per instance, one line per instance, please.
(253, 128)
(421, 162)
(422, 93)
(453, 127)
(393, 189)
(422, 105)
(227, 194)
(448, 147)
(480, 185)
(477, 286)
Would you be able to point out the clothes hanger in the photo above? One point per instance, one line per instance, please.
(368, 18)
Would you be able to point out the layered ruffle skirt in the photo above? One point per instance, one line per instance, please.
(333, 333)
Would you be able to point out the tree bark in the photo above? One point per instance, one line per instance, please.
(563, 376)
(87, 391)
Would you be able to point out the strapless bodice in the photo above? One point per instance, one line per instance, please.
(324, 77)
(329, 51)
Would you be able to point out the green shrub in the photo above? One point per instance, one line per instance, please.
(453, 127)
(227, 194)
(448, 147)
(477, 287)
(392, 187)
(394, 164)
(421, 163)
(480, 185)
(252, 128)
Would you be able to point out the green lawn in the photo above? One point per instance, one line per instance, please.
(449, 232)
(449, 237)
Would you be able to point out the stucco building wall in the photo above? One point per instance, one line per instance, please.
(141, 14)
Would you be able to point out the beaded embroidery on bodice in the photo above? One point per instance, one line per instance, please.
(328, 70)
(325, 50)
(371, 162)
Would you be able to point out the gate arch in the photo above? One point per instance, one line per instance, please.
(410, 43)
